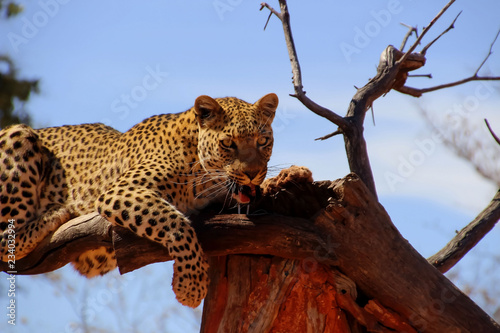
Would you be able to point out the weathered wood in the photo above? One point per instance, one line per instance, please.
(468, 237)
(283, 236)
(352, 231)
(272, 295)
(371, 252)
(377, 254)
(81, 234)
(287, 237)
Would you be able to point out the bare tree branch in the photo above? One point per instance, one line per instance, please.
(328, 136)
(300, 94)
(272, 10)
(497, 139)
(452, 26)
(408, 34)
(392, 73)
(429, 76)
(351, 231)
(468, 237)
(490, 52)
(416, 92)
(424, 32)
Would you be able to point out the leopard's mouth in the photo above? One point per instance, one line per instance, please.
(245, 194)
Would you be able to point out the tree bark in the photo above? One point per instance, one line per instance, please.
(468, 237)
(272, 295)
(336, 261)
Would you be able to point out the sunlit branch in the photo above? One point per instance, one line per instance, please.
(417, 42)
(408, 34)
(452, 26)
(300, 94)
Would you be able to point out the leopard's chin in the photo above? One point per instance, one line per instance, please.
(245, 194)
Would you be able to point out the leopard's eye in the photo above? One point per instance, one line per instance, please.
(228, 143)
(263, 140)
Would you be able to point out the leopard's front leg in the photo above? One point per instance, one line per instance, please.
(144, 212)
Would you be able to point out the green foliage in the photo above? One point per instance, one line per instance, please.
(13, 90)
(10, 9)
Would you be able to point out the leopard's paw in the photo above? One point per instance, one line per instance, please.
(294, 174)
(190, 282)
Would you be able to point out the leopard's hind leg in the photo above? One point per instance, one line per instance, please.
(23, 167)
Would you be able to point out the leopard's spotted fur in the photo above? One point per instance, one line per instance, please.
(147, 179)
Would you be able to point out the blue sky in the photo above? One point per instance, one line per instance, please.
(119, 62)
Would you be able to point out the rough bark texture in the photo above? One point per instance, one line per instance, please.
(294, 269)
(270, 294)
(388, 272)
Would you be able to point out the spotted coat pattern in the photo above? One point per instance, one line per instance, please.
(148, 179)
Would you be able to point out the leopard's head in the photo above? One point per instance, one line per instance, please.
(236, 140)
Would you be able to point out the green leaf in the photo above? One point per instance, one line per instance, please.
(13, 9)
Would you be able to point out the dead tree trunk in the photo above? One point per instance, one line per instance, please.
(328, 259)
(272, 295)
(387, 285)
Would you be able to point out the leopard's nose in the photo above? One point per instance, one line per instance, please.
(251, 174)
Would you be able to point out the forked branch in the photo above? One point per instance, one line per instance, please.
(408, 34)
(343, 226)
(424, 32)
(300, 94)
(416, 92)
(392, 73)
(452, 26)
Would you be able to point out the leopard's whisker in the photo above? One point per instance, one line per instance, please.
(215, 189)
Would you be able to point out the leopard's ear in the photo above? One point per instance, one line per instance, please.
(207, 109)
(268, 105)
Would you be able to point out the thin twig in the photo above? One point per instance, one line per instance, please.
(415, 92)
(300, 94)
(373, 115)
(328, 136)
(421, 75)
(452, 26)
(408, 34)
(497, 139)
(489, 53)
(268, 18)
(417, 42)
(272, 10)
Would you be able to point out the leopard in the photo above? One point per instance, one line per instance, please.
(149, 179)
